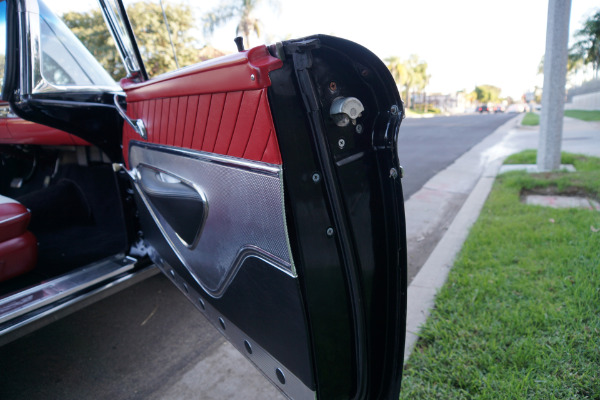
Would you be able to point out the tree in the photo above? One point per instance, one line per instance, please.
(574, 63)
(90, 29)
(151, 35)
(409, 74)
(420, 78)
(397, 69)
(487, 93)
(153, 39)
(587, 48)
(242, 9)
(470, 96)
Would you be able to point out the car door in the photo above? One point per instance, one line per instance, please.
(268, 190)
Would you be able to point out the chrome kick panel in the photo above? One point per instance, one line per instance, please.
(245, 216)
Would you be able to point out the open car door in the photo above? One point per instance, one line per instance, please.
(268, 190)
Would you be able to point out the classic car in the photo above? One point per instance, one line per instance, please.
(264, 184)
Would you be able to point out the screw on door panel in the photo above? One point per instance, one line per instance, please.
(393, 173)
(394, 110)
(248, 346)
(316, 178)
(341, 143)
(329, 231)
(280, 376)
(359, 129)
(332, 87)
(252, 77)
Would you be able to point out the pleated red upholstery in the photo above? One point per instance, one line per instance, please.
(218, 106)
(237, 123)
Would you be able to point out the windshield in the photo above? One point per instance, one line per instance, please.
(64, 61)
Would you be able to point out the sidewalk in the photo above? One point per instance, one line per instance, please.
(472, 174)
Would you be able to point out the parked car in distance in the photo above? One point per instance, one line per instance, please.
(483, 109)
(498, 109)
(245, 179)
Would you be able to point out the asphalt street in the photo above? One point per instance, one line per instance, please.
(139, 343)
(426, 146)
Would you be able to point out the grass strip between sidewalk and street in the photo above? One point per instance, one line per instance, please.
(584, 115)
(519, 316)
(531, 119)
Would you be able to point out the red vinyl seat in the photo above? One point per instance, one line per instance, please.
(18, 246)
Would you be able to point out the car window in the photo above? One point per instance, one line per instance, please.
(167, 33)
(64, 61)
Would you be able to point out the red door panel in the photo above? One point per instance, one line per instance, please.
(220, 106)
(233, 104)
(238, 124)
(181, 120)
(190, 123)
(215, 116)
(200, 120)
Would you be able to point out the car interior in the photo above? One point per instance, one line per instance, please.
(72, 188)
(64, 219)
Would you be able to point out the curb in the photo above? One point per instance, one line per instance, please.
(432, 276)
(423, 289)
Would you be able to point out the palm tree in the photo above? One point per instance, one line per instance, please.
(397, 69)
(242, 9)
(417, 77)
(588, 47)
(408, 74)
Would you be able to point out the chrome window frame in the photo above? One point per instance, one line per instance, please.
(30, 54)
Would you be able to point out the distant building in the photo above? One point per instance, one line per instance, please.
(455, 103)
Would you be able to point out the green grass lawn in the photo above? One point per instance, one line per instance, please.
(519, 317)
(531, 119)
(583, 115)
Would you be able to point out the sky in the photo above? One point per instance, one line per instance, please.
(464, 42)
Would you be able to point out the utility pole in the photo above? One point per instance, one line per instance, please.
(555, 76)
